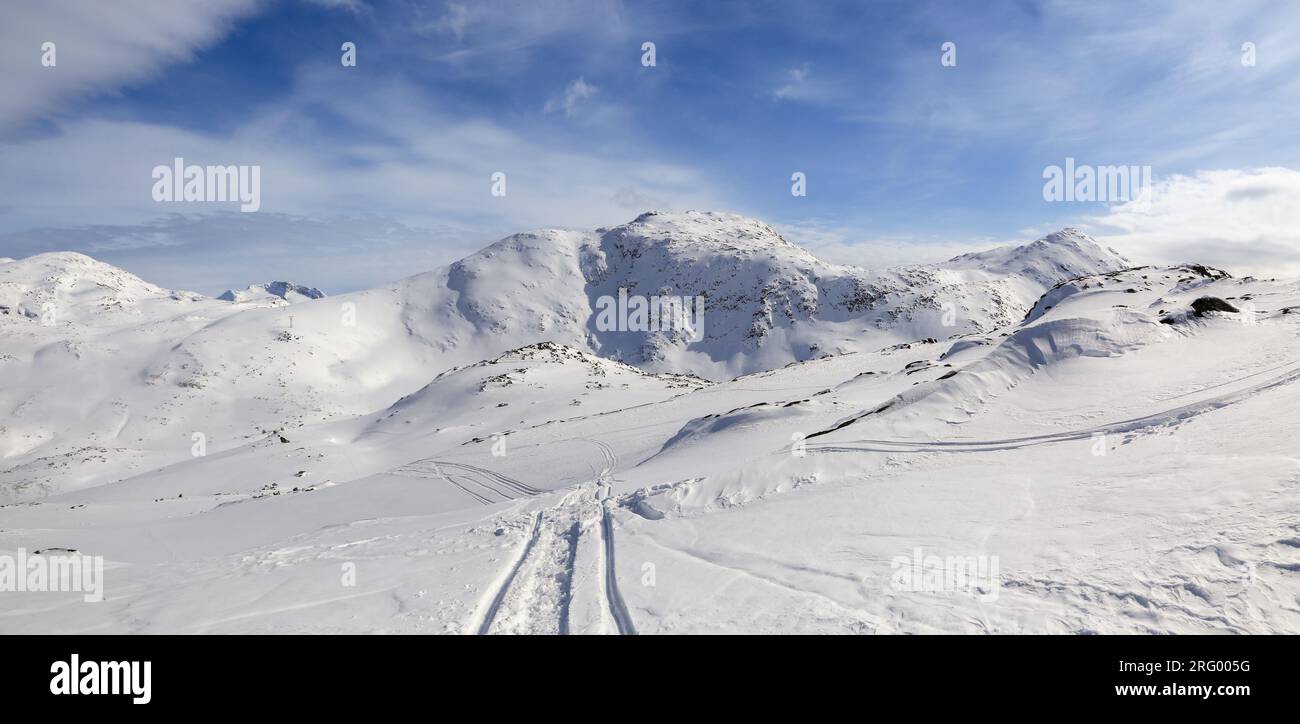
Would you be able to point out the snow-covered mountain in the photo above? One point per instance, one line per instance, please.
(1119, 439)
(277, 292)
(146, 362)
(766, 302)
(69, 288)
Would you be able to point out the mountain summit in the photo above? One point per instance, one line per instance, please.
(287, 291)
(766, 301)
(1065, 254)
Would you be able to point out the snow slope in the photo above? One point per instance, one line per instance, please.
(1128, 464)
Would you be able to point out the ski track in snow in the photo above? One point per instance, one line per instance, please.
(613, 598)
(536, 592)
(617, 608)
(494, 605)
(491, 483)
(1159, 419)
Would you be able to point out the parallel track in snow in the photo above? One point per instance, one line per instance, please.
(549, 556)
(494, 606)
(483, 485)
(613, 598)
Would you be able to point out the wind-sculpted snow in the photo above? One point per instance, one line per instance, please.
(959, 393)
(1134, 280)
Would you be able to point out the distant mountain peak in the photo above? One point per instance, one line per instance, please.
(1060, 255)
(288, 291)
(66, 269)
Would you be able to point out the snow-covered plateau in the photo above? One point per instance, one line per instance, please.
(1038, 439)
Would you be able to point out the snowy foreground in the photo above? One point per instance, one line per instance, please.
(465, 452)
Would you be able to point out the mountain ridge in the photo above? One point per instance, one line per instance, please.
(149, 362)
(286, 291)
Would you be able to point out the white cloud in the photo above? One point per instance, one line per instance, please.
(100, 46)
(455, 21)
(843, 245)
(210, 253)
(1244, 221)
(407, 162)
(1161, 85)
(487, 37)
(796, 85)
(440, 170)
(573, 96)
(355, 6)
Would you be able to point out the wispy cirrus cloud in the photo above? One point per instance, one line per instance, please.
(485, 35)
(405, 164)
(99, 47)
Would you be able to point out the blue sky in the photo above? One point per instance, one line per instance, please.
(373, 172)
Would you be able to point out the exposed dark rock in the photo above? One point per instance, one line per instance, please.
(1205, 305)
(1208, 272)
